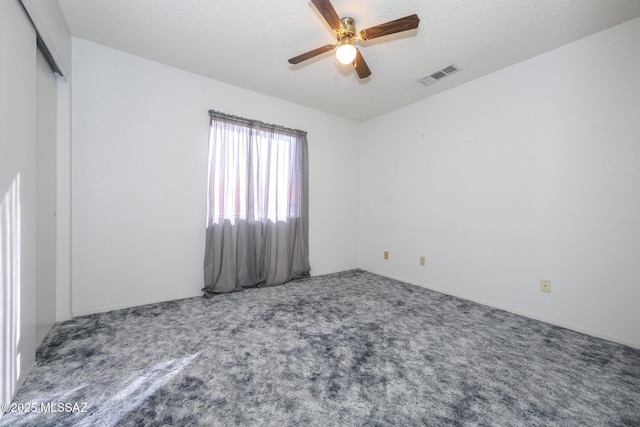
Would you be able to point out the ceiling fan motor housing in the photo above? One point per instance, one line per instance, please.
(348, 28)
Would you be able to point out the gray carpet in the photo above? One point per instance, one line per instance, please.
(344, 349)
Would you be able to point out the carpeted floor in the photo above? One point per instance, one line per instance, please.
(345, 349)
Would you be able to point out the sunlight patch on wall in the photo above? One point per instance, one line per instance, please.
(10, 295)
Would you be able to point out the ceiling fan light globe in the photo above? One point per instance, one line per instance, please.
(346, 53)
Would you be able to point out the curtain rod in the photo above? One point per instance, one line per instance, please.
(254, 123)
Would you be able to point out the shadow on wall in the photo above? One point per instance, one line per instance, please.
(10, 296)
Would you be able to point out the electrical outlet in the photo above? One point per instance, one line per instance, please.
(545, 286)
(423, 261)
(386, 255)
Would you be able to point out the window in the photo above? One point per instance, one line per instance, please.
(256, 174)
(257, 205)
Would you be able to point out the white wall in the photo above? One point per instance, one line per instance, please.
(17, 197)
(139, 142)
(528, 173)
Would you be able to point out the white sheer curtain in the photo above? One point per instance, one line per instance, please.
(257, 217)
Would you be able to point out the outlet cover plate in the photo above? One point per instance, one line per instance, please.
(545, 286)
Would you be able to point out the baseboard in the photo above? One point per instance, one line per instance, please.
(104, 309)
(554, 322)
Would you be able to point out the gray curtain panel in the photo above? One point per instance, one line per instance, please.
(258, 205)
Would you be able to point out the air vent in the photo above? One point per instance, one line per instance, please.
(440, 74)
(450, 69)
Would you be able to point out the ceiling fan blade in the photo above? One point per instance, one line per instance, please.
(328, 13)
(361, 66)
(308, 55)
(403, 24)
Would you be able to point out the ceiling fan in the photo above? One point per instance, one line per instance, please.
(345, 29)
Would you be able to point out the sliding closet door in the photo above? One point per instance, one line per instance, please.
(46, 198)
(17, 196)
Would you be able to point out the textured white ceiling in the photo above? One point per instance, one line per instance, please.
(247, 43)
